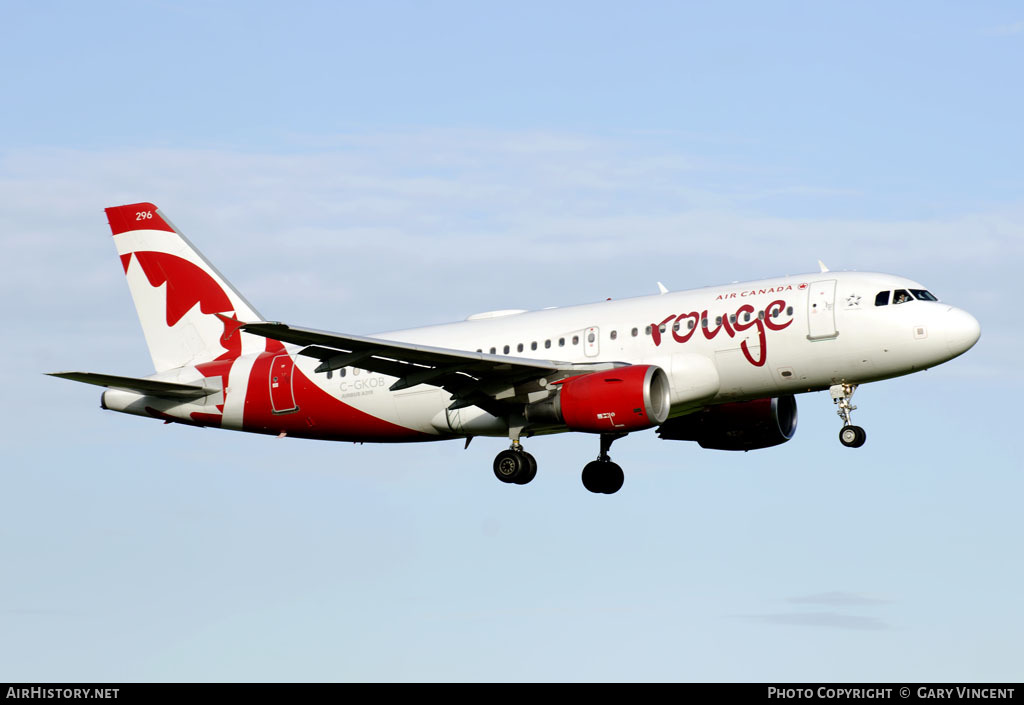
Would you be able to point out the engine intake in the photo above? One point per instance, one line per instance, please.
(623, 399)
(746, 425)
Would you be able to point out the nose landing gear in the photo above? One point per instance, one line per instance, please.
(849, 435)
(852, 436)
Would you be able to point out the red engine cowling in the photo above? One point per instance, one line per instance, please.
(746, 425)
(623, 399)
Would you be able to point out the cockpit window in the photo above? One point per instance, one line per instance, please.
(882, 299)
(922, 295)
(901, 296)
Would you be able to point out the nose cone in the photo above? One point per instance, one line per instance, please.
(962, 331)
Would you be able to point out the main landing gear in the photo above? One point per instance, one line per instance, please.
(515, 465)
(602, 476)
(849, 435)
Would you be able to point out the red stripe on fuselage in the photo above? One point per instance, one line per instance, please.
(319, 415)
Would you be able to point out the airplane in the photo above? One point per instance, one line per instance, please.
(719, 365)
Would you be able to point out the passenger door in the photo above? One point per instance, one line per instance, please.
(821, 310)
(282, 398)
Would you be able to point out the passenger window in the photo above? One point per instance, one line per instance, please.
(746, 317)
(519, 348)
(493, 351)
(343, 371)
(882, 299)
(703, 323)
(614, 335)
(575, 340)
(718, 320)
(547, 343)
(760, 315)
(533, 345)
(479, 350)
(732, 318)
(901, 296)
(561, 342)
(506, 350)
(789, 311)
(647, 330)
(661, 328)
(634, 332)
(690, 324)
(675, 326)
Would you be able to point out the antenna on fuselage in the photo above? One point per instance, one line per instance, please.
(662, 289)
(821, 265)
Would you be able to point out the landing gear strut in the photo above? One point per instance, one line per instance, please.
(515, 465)
(602, 476)
(849, 435)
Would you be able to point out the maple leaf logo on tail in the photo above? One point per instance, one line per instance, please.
(178, 294)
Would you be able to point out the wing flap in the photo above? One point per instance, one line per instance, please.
(173, 390)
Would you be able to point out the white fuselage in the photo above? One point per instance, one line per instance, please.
(736, 342)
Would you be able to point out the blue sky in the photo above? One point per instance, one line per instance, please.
(371, 167)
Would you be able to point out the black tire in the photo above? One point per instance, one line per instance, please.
(529, 469)
(593, 476)
(509, 465)
(852, 436)
(613, 478)
(862, 436)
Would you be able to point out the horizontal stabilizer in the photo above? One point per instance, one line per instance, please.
(172, 390)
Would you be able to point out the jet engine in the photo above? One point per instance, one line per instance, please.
(619, 400)
(746, 425)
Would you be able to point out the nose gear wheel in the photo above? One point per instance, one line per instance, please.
(849, 435)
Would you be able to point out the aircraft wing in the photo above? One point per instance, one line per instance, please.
(173, 390)
(474, 379)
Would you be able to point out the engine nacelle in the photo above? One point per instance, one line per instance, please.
(745, 425)
(623, 399)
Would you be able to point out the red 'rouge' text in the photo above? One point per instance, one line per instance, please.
(683, 331)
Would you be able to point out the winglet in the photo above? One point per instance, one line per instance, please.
(821, 265)
(231, 324)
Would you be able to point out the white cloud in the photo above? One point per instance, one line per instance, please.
(839, 599)
(381, 231)
(831, 620)
(1007, 29)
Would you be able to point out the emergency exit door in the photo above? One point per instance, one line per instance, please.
(591, 342)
